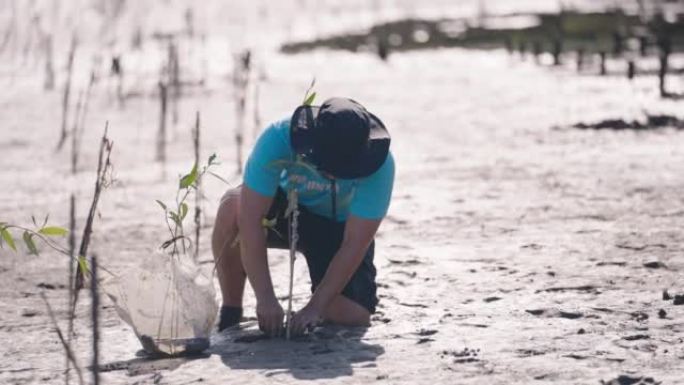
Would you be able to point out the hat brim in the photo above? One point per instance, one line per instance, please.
(303, 126)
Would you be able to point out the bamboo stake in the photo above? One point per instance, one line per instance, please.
(294, 237)
(198, 193)
(70, 284)
(95, 304)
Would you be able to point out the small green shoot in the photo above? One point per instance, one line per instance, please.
(28, 236)
(176, 214)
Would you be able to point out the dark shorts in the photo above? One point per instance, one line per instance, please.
(319, 240)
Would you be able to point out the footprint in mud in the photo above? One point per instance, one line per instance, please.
(380, 316)
(655, 265)
(639, 316)
(407, 262)
(412, 274)
(637, 337)
(426, 332)
(49, 286)
(618, 263)
(555, 313)
(629, 380)
(529, 352)
(492, 299)
(393, 219)
(418, 305)
(589, 289)
(576, 356)
(464, 356)
(28, 313)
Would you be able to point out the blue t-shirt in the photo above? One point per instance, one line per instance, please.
(271, 165)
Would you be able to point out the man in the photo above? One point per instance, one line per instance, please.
(337, 158)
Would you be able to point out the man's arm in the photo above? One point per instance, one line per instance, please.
(358, 234)
(253, 208)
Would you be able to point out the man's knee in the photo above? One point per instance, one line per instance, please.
(225, 225)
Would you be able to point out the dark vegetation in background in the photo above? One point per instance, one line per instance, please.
(587, 36)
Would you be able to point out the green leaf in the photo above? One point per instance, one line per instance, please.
(189, 179)
(163, 206)
(309, 101)
(83, 264)
(53, 231)
(175, 218)
(30, 245)
(183, 210)
(8, 238)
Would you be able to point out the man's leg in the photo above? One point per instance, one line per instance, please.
(358, 299)
(320, 239)
(344, 311)
(226, 252)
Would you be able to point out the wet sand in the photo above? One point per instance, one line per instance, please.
(517, 249)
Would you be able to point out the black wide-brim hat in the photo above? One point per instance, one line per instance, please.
(340, 137)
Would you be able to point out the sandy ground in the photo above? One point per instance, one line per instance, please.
(514, 251)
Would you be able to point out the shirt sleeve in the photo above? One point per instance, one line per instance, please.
(263, 169)
(372, 196)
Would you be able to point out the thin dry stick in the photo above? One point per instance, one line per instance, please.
(257, 112)
(74, 133)
(104, 167)
(94, 307)
(198, 192)
(161, 135)
(65, 345)
(49, 83)
(10, 31)
(174, 69)
(119, 73)
(294, 237)
(67, 92)
(79, 125)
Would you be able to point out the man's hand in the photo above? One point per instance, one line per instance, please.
(305, 319)
(270, 315)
